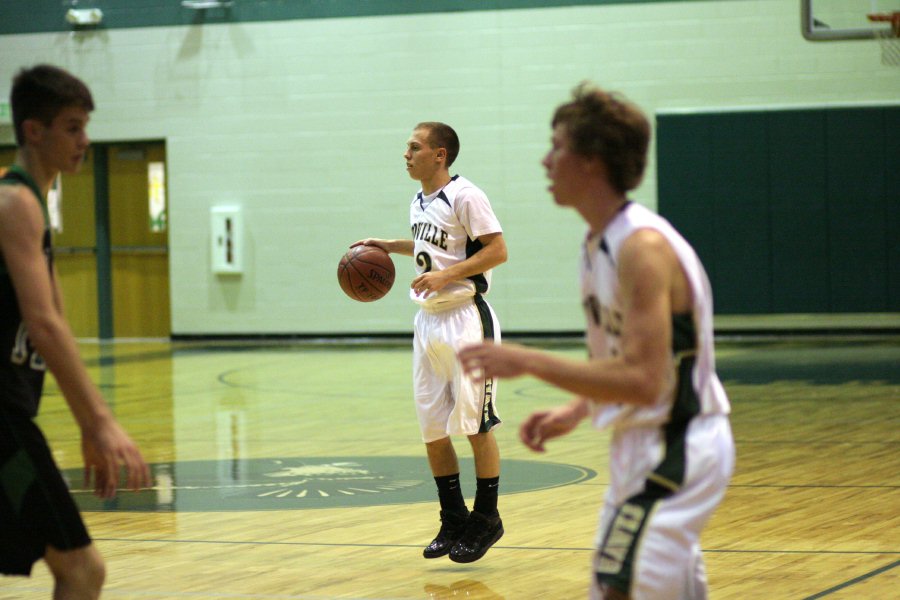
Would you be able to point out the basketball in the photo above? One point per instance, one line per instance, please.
(366, 273)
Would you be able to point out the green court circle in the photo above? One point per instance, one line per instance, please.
(309, 482)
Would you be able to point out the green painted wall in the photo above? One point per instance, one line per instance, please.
(792, 211)
(36, 16)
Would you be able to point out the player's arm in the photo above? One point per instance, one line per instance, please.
(492, 253)
(57, 293)
(544, 425)
(404, 247)
(104, 444)
(647, 266)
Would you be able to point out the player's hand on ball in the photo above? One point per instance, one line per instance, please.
(378, 242)
(366, 272)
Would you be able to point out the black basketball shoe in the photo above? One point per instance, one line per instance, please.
(481, 533)
(452, 527)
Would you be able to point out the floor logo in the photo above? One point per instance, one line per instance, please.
(299, 483)
(325, 480)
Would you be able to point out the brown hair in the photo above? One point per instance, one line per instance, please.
(41, 92)
(605, 125)
(441, 135)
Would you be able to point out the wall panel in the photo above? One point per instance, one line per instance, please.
(804, 206)
(740, 207)
(686, 145)
(891, 213)
(799, 211)
(856, 200)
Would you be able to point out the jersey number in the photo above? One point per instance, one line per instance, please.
(423, 259)
(21, 354)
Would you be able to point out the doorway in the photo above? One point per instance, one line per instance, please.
(139, 244)
(111, 256)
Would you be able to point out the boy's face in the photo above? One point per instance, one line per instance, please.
(63, 144)
(422, 161)
(565, 169)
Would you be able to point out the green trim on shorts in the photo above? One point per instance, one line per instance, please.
(16, 476)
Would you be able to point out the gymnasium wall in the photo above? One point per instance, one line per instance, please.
(303, 123)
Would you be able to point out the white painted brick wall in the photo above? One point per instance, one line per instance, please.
(304, 123)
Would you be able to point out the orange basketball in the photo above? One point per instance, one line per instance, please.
(366, 273)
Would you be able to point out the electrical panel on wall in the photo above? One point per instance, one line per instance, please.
(227, 225)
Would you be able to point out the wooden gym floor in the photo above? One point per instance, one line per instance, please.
(296, 471)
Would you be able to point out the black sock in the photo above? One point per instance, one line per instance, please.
(450, 494)
(486, 495)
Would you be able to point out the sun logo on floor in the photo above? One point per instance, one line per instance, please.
(327, 479)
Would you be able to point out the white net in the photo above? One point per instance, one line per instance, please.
(887, 33)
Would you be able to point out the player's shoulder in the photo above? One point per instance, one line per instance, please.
(459, 182)
(631, 217)
(643, 239)
(17, 199)
(463, 189)
(12, 191)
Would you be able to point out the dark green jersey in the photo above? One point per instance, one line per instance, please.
(21, 367)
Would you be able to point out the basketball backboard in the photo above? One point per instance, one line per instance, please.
(824, 20)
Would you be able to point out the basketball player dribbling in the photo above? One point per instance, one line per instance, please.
(456, 241)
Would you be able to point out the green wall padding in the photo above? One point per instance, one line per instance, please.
(856, 197)
(740, 213)
(792, 211)
(798, 211)
(892, 207)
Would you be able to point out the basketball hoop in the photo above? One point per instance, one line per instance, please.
(888, 37)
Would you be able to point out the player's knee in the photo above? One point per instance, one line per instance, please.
(484, 443)
(77, 573)
(86, 579)
(482, 437)
(440, 444)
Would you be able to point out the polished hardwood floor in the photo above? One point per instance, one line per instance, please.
(295, 470)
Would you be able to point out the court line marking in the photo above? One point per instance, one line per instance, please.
(539, 548)
(814, 486)
(148, 594)
(320, 544)
(854, 581)
(837, 552)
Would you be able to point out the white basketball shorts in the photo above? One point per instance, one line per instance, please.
(648, 541)
(448, 402)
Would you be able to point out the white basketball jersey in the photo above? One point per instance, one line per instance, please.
(445, 228)
(692, 334)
